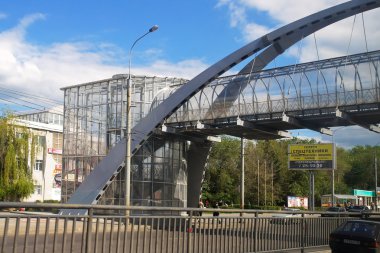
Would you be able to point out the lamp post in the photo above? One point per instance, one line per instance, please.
(375, 167)
(242, 174)
(128, 127)
(334, 167)
(375, 180)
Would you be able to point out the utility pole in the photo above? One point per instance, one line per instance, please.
(265, 183)
(242, 173)
(375, 180)
(272, 183)
(258, 182)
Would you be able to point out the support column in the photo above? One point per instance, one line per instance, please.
(197, 157)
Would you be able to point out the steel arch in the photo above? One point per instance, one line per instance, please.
(273, 45)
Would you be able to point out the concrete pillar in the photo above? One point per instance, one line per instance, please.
(197, 157)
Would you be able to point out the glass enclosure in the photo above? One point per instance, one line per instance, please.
(95, 120)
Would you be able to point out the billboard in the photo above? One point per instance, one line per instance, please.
(294, 201)
(311, 156)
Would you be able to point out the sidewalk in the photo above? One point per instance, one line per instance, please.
(324, 249)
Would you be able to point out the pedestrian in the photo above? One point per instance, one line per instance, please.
(216, 214)
(200, 205)
(372, 206)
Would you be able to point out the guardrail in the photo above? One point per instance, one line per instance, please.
(154, 229)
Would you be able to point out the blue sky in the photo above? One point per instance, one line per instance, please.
(46, 45)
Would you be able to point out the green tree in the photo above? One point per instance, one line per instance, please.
(251, 183)
(361, 173)
(355, 169)
(15, 177)
(223, 173)
(343, 166)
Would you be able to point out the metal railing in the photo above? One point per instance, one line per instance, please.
(153, 229)
(321, 101)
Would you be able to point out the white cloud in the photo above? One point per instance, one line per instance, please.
(332, 41)
(184, 69)
(31, 68)
(342, 38)
(3, 15)
(285, 11)
(253, 30)
(236, 11)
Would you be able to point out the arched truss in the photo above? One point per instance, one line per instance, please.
(272, 44)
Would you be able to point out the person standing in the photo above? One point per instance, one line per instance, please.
(216, 214)
(200, 205)
(372, 206)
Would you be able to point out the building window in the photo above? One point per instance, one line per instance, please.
(38, 165)
(57, 140)
(57, 144)
(19, 135)
(40, 141)
(38, 189)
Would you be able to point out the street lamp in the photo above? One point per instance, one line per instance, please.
(375, 180)
(334, 167)
(375, 165)
(128, 127)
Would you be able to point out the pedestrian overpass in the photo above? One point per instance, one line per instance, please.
(255, 104)
(316, 95)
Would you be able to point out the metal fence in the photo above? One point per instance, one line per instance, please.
(40, 228)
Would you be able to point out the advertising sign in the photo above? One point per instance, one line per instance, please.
(55, 151)
(294, 201)
(311, 156)
(57, 175)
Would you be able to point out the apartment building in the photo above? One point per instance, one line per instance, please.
(46, 127)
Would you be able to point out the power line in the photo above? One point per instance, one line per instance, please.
(30, 101)
(48, 100)
(13, 102)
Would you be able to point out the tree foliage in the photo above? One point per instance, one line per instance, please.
(266, 164)
(15, 177)
(223, 175)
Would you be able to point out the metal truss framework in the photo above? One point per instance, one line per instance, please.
(271, 45)
(95, 121)
(306, 88)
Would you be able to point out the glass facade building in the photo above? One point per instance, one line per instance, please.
(95, 120)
